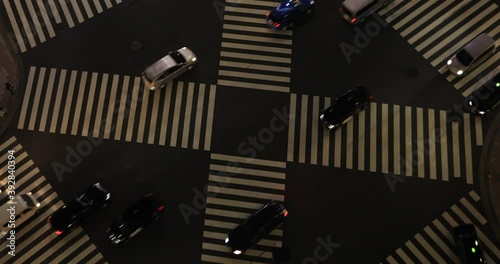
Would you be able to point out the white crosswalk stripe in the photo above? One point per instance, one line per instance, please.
(180, 115)
(392, 139)
(435, 242)
(35, 240)
(252, 55)
(237, 187)
(33, 21)
(438, 29)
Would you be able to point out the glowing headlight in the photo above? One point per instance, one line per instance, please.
(227, 240)
(470, 103)
(482, 112)
(331, 126)
(321, 116)
(37, 204)
(237, 252)
(460, 72)
(108, 196)
(449, 62)
(152, 88)
(194, 59)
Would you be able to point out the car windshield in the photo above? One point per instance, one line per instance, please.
(28, 200)
(177, 57)
(464, 58)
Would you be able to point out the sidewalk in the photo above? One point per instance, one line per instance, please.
(490, 176)
(10, 63)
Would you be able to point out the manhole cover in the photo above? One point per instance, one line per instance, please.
(412, 72)
(135, 45)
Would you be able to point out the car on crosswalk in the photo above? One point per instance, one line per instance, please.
(288, 12)
(175, 63)
(79, 208)
(487, 97)
(134, 219)
(472, 54)
(345, 107)
(256, 226)
(467, 243)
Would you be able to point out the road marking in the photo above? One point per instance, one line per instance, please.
(441, 244)
(349, 144)
(142, 118)
(111, 106)
(429, 248)
(361, 140)
(254, 172)
(121, 109)
(373, 137)
(248, 160)
(420, 142)
(266, 87)
(210, 117)
(412, 15)
(69, 97)
(154, 116)
(90, 102)
(108, 4)
(385, 138)
(77, 11)
(468, 148)
(416, 252)
(444, 145)
(239, 192)
(199, 112)
(264, 58)
(255, 48)
(133, 108)
(36, 100)
(177, 113)
(473, 211)
(254, 66)
(456, 149)
(36, 22)
(98, 6)
(400, 11)
(314, 132)
(408, 148)
(303, 129)
(24, 108)
(166, 109)
(397, 140)
(187, 115)
(443, 230)
(97, 130)
(432, 144)
(235, 180)
(427, 17)
(25, 23)
(403, 256)
(338, 142)
(79, 101)
(256, 38)
(15, 26)
(291, 126)
(66, 13)
(87, 8)
(256, 76)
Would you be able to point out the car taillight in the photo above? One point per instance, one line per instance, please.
(276, 24)
(371, 98)
(340, 8)
(285, 213)
(268, 14)
(149, 194)
(48, 220)
(58, 232)
(159, 209)
(353, 20)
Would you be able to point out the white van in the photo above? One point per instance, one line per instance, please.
(23, 207)
(355, 11)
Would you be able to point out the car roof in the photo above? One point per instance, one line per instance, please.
(159, 67)
(355, 5)
(479, 44)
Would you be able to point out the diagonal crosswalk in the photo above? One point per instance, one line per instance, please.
(435, 243)
(438, 29)
(73, 102)
(238, 187)
(35, 241)
(252, 55)
(33, 21)
(395, 139)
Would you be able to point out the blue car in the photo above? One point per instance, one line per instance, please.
(287, 12)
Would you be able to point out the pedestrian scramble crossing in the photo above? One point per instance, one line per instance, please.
(35, 21)
(391, 139)
(35, 241)
(118, 107)
(237, 187)
(253, 55)
(435, 243)
(438, 29)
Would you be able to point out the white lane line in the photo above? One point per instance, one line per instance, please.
(361, 140)
(256, 39)
(425, 18)
(25, 23)
(349, 144)
(420, 142)
(144, 111)
(48, 96)
(108, 4)
(254, 66)
(385, 138)
(88, 10)
(154, 117)
(468, 148)
(199, 112)
(429, 249)
(474, 195)
(15, 26)
(338, 143)
(55, 11)
(456, 149)
(260, 162)
(441, 244)
(164, 117)
(400, 11)
(249, 56)
(26, 99)
(291, 126)
(314, 130)
(239, 192)
(77, 11)
(133, 108)
(303, 129)
(96, 130)
(256, 48)
(253, 2)
(36, 100)
(326, 139)
(111, 106)
(177, 113)
(473, 211)
(446, 233)
(432, 144)
(121, 108)
(253, 172)
(408, 148)
(66, 13)
(486, 241)
(90, 102)
(444, 145)
(234, 180)
(257, 86)
(404, 256)
(412, 15)
(79, 101)
(57, 102)
(69, 98)
(98, 6)
(187, 115)
(416, 252)
(210, 117)
(36, 22)
(255, 76)
(397, 140)
(373, 137)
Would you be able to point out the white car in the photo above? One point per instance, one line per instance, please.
(472, 54)
(168, 68)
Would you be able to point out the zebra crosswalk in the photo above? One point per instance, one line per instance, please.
(252, 55)
(435, 243)
(33, 21)
(437, 29)
(238, 187)
(118, 107)
(395, 139)
(35, 241)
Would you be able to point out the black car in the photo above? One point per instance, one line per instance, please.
(486, 97)
(344, 107)
(72, 213)
(134, 219)
(256, 226)
(468, 245)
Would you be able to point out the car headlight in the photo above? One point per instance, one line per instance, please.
(237, 252)
(482, 112)
(449, 62)
(331, 126)
(470, 103)
(108, 196)
(321, 116)
(460, 72)
(152, 88)
(226, 240)
(194, 59)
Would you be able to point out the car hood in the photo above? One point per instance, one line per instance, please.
(455, 65)
(332, 116)
(187, 54)
(63, 218)
(239, 239)
(283, 9)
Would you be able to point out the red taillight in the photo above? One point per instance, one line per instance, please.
(149, 194)
(285, 213)
(371, 98)
(353, 20)
(340, 9)
(268, 14)
(48, 220)
(58, 232)
(276, 24)
(159, 209)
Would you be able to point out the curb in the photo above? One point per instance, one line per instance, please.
(18, 84)
(484, 185)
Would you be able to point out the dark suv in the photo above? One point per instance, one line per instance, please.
(134, 219)
(482, 101)
(256, 226)
(72, 213)
(468, 245)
